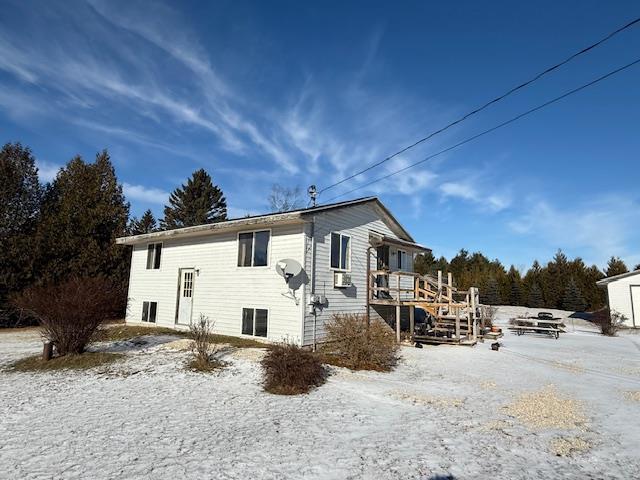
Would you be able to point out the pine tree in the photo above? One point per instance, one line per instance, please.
(196, 203)
(616, 266)
(573, 300)
(535, 297)
(20, 198)
(515, 286)
(491, 293)
(424, 263)
(146, 224)
(83, 212)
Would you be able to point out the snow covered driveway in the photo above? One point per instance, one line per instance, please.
(440, 414)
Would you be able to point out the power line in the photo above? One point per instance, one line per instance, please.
(491, 102)
(503, 124)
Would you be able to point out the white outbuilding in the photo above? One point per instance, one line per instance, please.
(623, 293)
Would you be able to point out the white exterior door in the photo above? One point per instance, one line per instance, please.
(185, 296)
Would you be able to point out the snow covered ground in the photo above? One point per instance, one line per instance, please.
(446, 412)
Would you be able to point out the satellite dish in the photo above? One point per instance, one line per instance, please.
(288, 268)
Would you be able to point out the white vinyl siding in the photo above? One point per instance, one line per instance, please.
(221, 288)
(356, 222)
(624, 298)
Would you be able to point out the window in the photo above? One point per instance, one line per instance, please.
(254, 322)
(253, 249)
(149, 310)
(154, 251)
(340, 251)
(402, 260)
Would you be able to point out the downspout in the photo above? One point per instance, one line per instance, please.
(313, 279)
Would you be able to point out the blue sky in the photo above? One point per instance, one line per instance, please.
(299, 93)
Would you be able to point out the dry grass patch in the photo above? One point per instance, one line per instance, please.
(633, 396)
(547, 409)
(428, 400)
(127, 332)
(67, 362)
(291, 370)
(568, 446)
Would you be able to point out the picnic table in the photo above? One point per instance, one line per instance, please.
(543, 323)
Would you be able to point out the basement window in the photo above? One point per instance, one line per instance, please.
(340, 251)
(154, 252)
(254, 322)
(149, 310)
(253, 249)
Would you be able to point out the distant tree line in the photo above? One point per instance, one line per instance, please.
(561, 283)
(50, 232)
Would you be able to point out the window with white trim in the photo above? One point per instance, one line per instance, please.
(340, 251)
(253, 249)
(254, 321)
(149, 310)
(402, 260)
(154, 251)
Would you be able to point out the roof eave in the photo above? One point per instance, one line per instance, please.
(200, 230)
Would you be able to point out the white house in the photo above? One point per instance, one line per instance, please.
(623, 293)
(228, 271)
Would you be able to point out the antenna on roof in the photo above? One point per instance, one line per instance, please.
(313, 193)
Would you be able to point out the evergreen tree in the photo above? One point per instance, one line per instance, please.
(424, 263)
(146, 224)
(573, 300)
(20, 198)
(515, 286)
(616, 266)
(491, 293)
(637, 267)
(83, 212)
(535, 297)
(196, 203)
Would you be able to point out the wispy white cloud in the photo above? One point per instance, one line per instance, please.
(47, 171)
(600, 226)
(469, 191)
(144, 194)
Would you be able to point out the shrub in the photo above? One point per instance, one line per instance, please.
(70, 312)
(203, 345)
(608, 321)
(488, 315)
(291, 370)
(351, 343)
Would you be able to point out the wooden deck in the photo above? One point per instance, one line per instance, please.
(454, 313)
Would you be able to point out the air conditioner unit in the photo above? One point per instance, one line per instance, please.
(341, 280)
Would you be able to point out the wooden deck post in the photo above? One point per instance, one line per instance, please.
(397, 309)
(412, 320)
(369, 290)
(458, 324)
(472, 292)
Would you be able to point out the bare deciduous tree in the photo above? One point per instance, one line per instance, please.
(284, 199)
